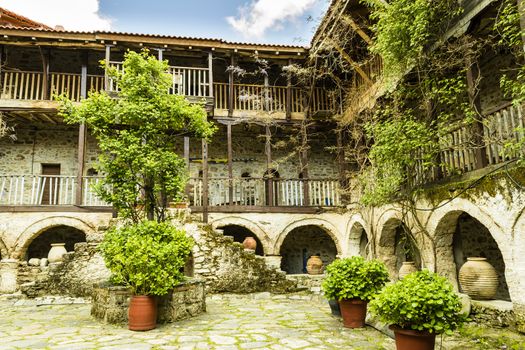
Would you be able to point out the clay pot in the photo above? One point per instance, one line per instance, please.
(249, 243)
(478, 279)
(56, 253)
(334, 308)
(353, 312)
(408, 339)
(142, 313)
(407, 268)
(314, 265)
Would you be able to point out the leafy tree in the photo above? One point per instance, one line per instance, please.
(136, 132)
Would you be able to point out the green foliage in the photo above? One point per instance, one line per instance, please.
(422, 301)
(394, 154)
(507, 25)
(147, 257)
(354, 278)
(404, 28)
(137, 132)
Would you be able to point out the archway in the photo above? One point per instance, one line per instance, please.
(472, 239)
(397, 245)
(239, 233)
(358, 243)
(40, 245)
(301, 243)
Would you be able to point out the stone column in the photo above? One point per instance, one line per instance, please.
(8, 276)
(273, 261)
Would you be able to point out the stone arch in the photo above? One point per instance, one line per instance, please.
(390, 247)
(327, 226)
(358, 234)
(444, 225)
(35, 229)
(260, 234)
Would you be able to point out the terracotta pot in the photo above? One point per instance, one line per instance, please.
(353, 312)
(478, 279)
(249, 243)
(142, 313)
(314, 265)
(56, 253)
(408, 339)
(334, 308)
(407, 268)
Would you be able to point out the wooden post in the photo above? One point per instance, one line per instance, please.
(480, 152)
(304, 164)
(266, 94)
(82, 134)
(289, 93)
(45, 74)
(107, 59)
(340, 156)
(231, 87)
(210, 74)
(160, 53)
(205, 181)
(521, 10)
(187, 161)
(230, 162)
(269, 181)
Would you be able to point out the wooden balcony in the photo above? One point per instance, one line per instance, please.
(33, 91)
(61, 190)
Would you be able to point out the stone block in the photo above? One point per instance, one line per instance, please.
(493, 313)
(519, 314)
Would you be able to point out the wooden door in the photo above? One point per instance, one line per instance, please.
(50, 195)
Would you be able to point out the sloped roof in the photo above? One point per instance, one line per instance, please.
(9, 16)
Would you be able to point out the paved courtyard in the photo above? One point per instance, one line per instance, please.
(232, 322)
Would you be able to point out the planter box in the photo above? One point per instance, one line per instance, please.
(110, 303)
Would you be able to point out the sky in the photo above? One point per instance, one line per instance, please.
(260, 21)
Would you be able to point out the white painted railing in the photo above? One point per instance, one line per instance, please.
(36, 190)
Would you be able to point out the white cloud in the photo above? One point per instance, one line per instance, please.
(257, 17)
(71, 14)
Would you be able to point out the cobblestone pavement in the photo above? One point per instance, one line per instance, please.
(231, 322)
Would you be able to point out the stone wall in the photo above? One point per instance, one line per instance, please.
(110, 303)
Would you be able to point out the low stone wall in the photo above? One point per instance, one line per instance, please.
(110, 303)
(493, 313)
(312, 283)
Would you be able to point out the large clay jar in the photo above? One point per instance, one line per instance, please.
(142, 313)
(478, 279)
(249, 243)
(407, 268)
(56, 253)
(314, 265)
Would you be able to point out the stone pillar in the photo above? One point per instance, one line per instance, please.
(273, 261)
(8, 276)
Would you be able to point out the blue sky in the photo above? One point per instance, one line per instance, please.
(268, 21)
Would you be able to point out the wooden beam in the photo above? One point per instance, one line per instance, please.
(210, 73)
(354, 64)
(107, 59)
(350, 21)
(231, 88)
(289, 93)
(187, 162)
(304, 163)
(340, 156)
(82, 134)
(230, 162)
(269, 181)
(205, 181)
(45, 73)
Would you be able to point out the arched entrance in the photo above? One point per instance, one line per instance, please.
(358, 243)
(39, 247)
(303, 242)
(397, 245)
(239, 233)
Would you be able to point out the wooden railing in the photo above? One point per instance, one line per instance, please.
(36, 190)
(89, 197)
(458, 148)
(255, 191)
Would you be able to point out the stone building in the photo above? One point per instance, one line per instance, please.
(255, 179)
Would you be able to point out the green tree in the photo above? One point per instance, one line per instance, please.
(136, 132)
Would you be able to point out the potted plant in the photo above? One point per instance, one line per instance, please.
(353, 282)
(147, 257)
(418, 307)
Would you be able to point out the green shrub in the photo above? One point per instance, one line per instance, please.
(422, 301)
(147, 257)
(354, 278)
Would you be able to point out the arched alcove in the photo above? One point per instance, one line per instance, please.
(397, 245)
(358, 243)
(303, 242)
(472, 239)
(239, 233)
(40, 245)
